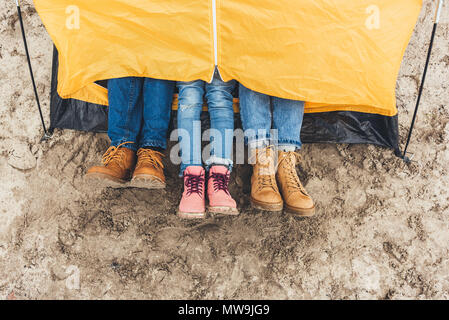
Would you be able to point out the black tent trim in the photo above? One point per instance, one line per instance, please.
(71, 113)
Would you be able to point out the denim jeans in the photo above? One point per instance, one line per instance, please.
(258, 119)
(139, 111)
(220, 105)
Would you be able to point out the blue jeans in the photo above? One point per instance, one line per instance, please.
(139, 111)
(258, 120)
(220, 105)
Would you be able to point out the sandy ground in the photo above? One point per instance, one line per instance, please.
(382, 229)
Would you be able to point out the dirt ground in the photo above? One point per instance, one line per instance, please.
(382, 229)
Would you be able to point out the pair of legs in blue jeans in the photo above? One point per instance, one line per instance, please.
(219, 99)
(261, 113)
(139, 116)
(139, 112)
(273, 131)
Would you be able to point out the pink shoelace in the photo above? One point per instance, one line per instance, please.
(221, 181)
(194, 184)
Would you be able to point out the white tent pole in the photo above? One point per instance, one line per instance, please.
(439, 8)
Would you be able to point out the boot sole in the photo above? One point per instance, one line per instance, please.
(309, 212)
(102, 180)
(272, 207)
(147, 182)
(228, 211)
(191, 215)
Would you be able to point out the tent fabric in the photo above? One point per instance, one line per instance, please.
(337, 55)
(323, 127)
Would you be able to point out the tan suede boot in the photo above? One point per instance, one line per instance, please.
(264, 190)
(296, 199)
(149, 172)
(118, 165)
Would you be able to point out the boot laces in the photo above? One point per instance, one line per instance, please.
(262, 156)
(150, 157)
(293, 182)
(221, 181)
(266, 181)
(194, 184)
(114, 154)
(266, 176)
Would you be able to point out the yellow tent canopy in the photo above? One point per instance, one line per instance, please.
(335, 54)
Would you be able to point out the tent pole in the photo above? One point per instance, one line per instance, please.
(47, 135)
(421, 87)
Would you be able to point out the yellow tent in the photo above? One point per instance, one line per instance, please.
(338, 55)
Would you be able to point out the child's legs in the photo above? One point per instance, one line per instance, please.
(189, 123)
(220, 104)
(157, 103)
(125, 110)
(255, 111)
(287, 120)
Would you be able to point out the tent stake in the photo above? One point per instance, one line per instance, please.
(47, 135)
(421, 87)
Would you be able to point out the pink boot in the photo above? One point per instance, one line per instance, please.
(193, 204)
(220, 200)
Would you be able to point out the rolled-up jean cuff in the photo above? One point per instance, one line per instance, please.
(216, 161)
(281, 144)
(153, 143)
(258, 143)
(251, 138)
(295, 143)
(184, 166)
(132, 146)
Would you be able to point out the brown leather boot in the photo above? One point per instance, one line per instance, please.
(149, 172)
(118, 164)
(296, 199)
(264, 190)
